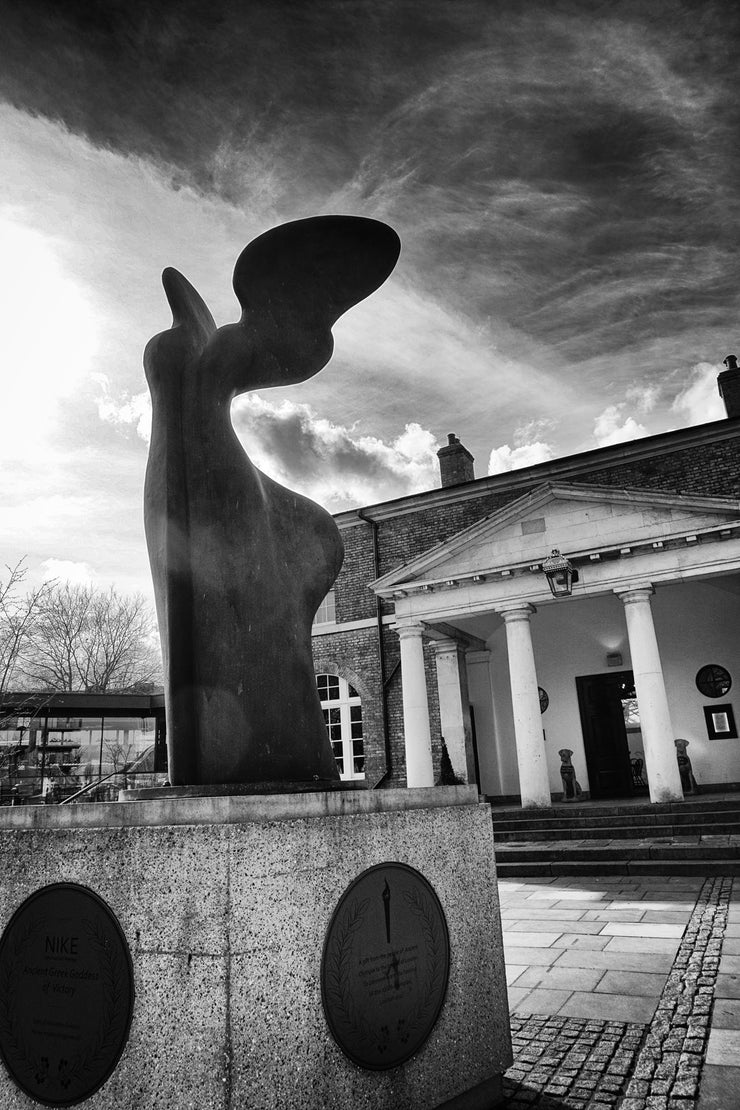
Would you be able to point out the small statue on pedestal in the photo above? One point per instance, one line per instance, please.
(571, 786)
(688, 782)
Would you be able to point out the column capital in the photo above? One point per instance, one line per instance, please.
(515, 611)
(446, 645)
(633, 592)
(408, 629)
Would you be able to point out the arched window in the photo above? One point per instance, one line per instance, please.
(342, 709)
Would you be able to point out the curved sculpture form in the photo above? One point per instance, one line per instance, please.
(240, 564)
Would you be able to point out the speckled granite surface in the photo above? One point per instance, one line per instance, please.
(226, 916)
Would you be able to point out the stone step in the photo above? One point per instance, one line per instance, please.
(625, 866)
(618, 849)
(626, 809)
(613, 832)
(596, 820)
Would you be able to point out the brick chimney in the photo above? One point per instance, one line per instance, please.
(456, 462)
(728, 384)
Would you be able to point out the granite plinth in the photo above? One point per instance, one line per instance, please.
(228, 790)
(225, 903)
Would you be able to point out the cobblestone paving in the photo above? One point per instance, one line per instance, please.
(563, 1063)
(570, 1062)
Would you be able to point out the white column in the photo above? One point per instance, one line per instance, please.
(534, 780)
(655, 719)
(417, 734)
(454, 707)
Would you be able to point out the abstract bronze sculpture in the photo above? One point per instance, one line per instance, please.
(240, 563)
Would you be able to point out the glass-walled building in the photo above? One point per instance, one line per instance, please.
(56, 746)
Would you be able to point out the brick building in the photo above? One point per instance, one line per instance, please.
(443, 637)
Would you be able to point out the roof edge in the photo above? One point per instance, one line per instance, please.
(554, 470)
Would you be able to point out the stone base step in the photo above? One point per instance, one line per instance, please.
(560, 831)
(710, 848)
(555, 868)
(618, 808)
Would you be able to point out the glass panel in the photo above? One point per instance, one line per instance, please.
(327, 611)
(631, 713)
(338, 749)
(328, 687)
(53, 758)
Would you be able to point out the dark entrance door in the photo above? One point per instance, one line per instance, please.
(601, 699)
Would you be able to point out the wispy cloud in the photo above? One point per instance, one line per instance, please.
(700, 401)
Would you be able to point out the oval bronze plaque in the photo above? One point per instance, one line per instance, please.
(66, 994)
(385, 966)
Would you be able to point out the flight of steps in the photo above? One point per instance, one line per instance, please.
(699, 836)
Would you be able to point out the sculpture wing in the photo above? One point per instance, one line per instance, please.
(294, 281)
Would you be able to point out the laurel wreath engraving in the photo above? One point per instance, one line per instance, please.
(337, 982)
(436, 964)
(15, 1046)
(112, 975)
(113, 1014)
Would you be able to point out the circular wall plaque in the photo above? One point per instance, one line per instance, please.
(66, 994)
(544, 699)
(713, 681)
(385, 966)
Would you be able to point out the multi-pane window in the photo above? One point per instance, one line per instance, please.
(327, 611)
(342, 710)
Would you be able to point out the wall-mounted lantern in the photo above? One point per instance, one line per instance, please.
(560, 573)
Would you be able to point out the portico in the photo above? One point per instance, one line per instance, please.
(658, 590)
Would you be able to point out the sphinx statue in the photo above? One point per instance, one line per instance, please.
(240, 564)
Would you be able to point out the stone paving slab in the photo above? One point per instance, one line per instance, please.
(719, 1087)
(642, 929)
(528, 956)
(724, 1044)
(727, 986)
(621, 1007)
(726, 1015)
(646, 983)
(663, 945)
(562, 978)
(628, 961)
(582, 941)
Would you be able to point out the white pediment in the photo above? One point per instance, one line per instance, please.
(577, 519)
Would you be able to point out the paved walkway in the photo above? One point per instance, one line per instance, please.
(624, 992)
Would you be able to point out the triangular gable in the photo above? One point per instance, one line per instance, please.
(577, 519)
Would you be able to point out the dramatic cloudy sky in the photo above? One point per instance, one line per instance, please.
(563, 176)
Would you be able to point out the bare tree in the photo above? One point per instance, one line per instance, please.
(19, 617)
(91, 640)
